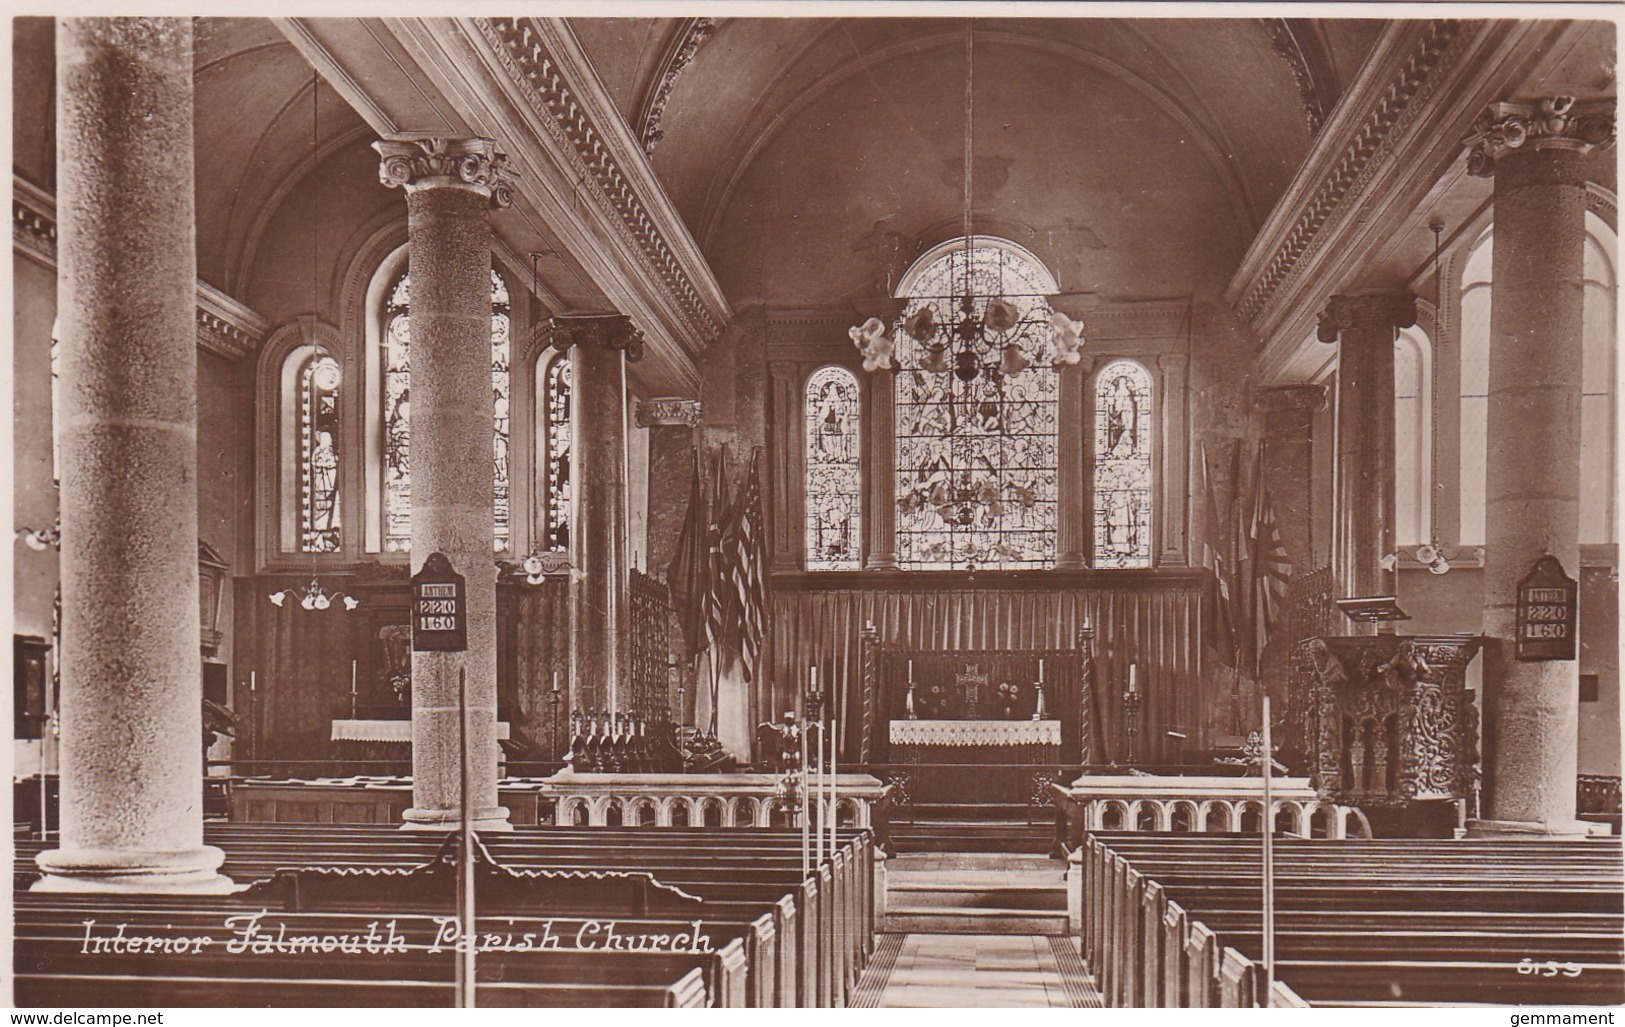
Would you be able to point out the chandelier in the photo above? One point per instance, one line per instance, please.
(314, 597)
(979, 329)
(41, 539)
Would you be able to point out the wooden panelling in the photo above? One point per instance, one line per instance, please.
(1151, 619)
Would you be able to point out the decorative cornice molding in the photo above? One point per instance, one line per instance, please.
(1383, 310)
(667, 411)
(437, 163)
(610, 331)
(1326, 183)
(1603, 203)
(522, 48)
(225, 326)
(33, 221)
(1550, 123)
(1285, 44)
(690, 37)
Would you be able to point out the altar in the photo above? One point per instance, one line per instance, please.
(974, 761)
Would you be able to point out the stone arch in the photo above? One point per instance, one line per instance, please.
(573, 812)
(1183, 816)
(598, 810)
(1114, 815)
(664, 807)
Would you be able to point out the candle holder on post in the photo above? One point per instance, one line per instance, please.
(554, 698)
(1131, 723)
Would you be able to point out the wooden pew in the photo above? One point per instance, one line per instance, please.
(831, 934)
(1150, 939)
(112, 990)
(729, 979)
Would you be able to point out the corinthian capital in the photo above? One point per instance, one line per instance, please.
(667, 411)
(420, 163)
(1385, 310)
(611, 331)
(1553, 123)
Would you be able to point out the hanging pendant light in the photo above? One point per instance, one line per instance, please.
(986, 335)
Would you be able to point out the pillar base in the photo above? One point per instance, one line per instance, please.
(881, 562)
(134, 872)
(1071, 562)
(487, 818)
(1533, 830)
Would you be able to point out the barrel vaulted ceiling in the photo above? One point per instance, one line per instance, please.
(808, 161)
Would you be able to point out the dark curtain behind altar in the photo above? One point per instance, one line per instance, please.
(300, 661)
(1149, 618)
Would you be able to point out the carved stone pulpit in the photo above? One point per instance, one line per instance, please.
(1384, 720)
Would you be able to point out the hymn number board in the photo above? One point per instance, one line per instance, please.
(439, 608)
(1548, 603)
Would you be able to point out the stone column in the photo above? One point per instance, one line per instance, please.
(1537, 155)
(1072, 478)
(787, 466)
(599, 346)
(1364, 328)
(1174, 517)
(451, 185)
(880, 471)
(132, 692)
(1288, 462)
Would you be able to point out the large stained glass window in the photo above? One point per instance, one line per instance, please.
(555, 421)
(833, 481)
(397, 469)
(1123, 466)
(976, 453)
(318, 422)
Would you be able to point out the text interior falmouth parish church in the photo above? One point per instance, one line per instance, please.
(815, 511)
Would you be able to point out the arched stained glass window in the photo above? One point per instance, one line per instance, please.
(833, 479)
(1123, 466)
(397, 406)
(976, 446)
(318, 428)
(502, 528)
(1413, 452)
(554, 418)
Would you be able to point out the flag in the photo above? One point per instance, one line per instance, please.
(1269, 571)
(721, 600)
(1216, 551)
(687, 576)
(748, 568)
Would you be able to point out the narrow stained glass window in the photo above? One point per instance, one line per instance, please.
(397, 470)
(1123, 466)
(557, 426)
(833, 482)
(318, 455)
(502, 529)
(976, 441)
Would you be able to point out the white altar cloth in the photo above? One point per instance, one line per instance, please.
(976, 732)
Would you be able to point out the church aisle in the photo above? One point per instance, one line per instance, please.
(974, 971)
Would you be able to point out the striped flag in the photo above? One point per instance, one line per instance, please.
(1216, 552)
(748, 568)
(721, 600)
(1269, 571)
(688, 574)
